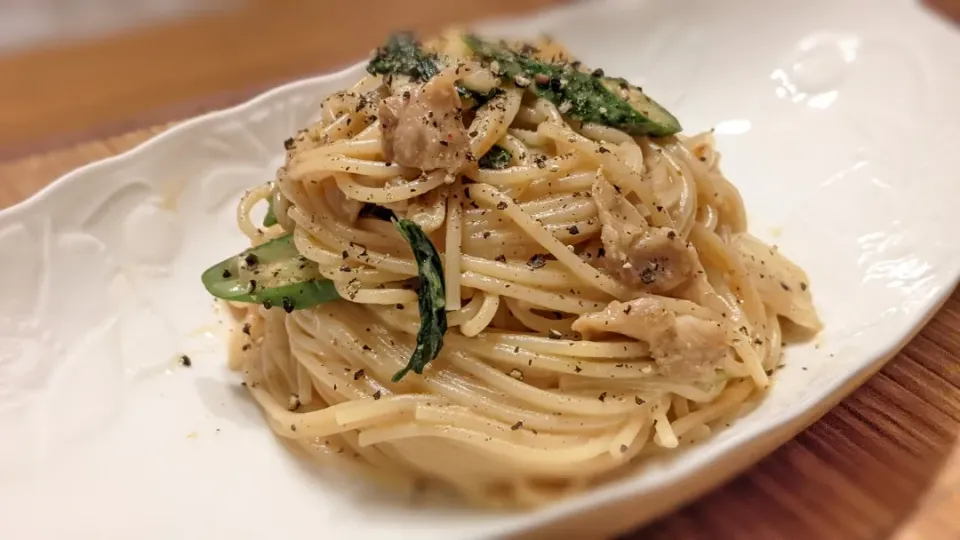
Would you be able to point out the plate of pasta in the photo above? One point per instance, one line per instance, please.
(540, 275)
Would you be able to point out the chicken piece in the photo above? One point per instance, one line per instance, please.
(423, 128)
(683, 346)
(649, 258)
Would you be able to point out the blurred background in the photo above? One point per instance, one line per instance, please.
(74, 70)
(77, 70)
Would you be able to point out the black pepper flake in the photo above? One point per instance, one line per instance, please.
(671, 235)
(803, 286)
(185, 361)
(358, 374)
(246, 347)
(577, 369)
(540, 161)
(597, 72)
(288, 144)
(500, 258)
(287, 304)
(638, 400)
(267, 304)
(400, 307)
(517, 426)
(785, 286)
(537, 261)
(573, 229)
(603, 396)
(501, 205)
(226, 274)
(443, 143)
(648, 276)
(623, 449)
(473, 133)
(376, 395)
(344, 254)
(602, 150)
(486, 234)
(246, 328)
(293, 427)
(367, 347)
(556, 84)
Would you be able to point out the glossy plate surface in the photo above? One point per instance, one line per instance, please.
(839, 128)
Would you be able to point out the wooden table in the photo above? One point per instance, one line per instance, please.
(885, 463)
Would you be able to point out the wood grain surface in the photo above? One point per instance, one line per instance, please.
(885, 463)
(59, 92)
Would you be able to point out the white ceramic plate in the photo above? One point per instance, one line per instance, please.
(838, 120)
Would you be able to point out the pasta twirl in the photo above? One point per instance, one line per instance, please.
(603, 300)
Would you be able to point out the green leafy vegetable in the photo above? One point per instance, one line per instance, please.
(270, 219)
(496, 158)
(376, 211)
(431, 298)
(272, 274)
(581, 96)
(402, 55)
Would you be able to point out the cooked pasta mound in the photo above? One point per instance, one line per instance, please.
(491, 267)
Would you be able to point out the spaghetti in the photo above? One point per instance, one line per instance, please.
(603, 299)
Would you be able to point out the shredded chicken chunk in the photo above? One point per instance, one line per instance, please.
(683, 346)
(423, 127)
(650, 258)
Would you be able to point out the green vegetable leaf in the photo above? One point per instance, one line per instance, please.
(402, 55)
(581, 96)
(375, 211)
(270, 219)
(273, 274)
(496, 158)
(431, 298)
